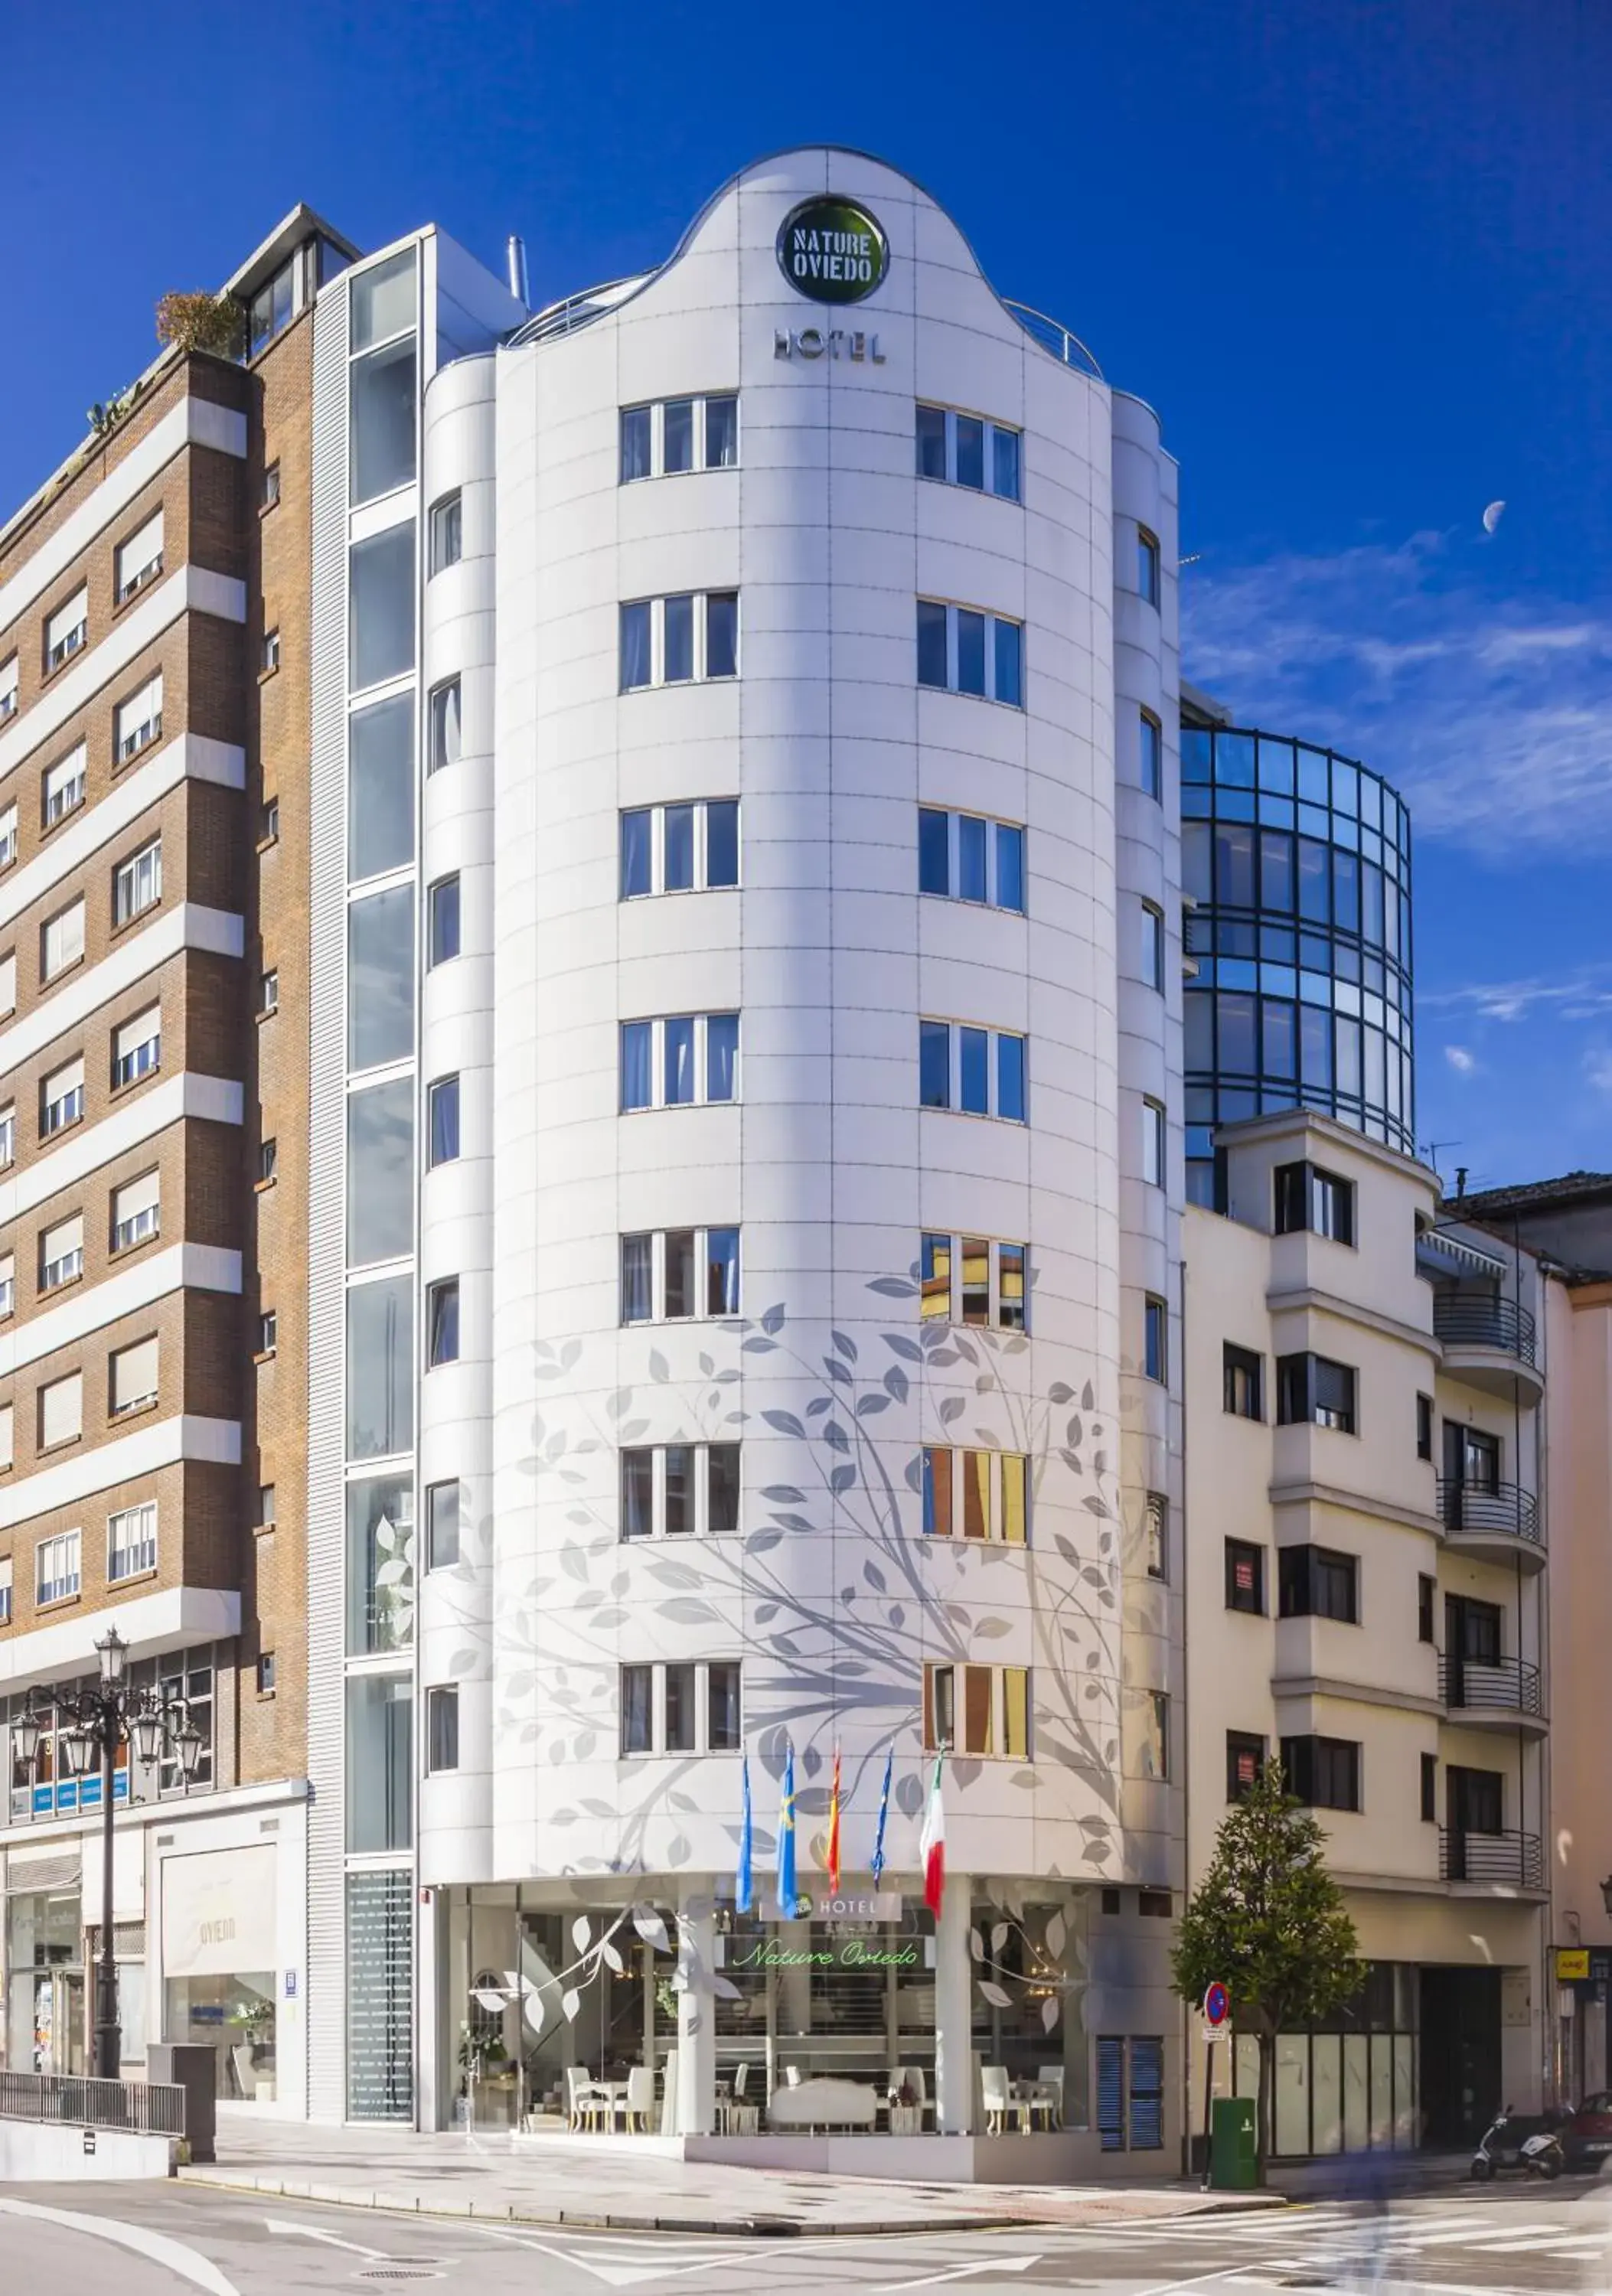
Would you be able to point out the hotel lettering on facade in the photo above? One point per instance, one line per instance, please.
(673, 1135)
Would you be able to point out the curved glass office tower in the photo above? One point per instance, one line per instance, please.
(1298, 862)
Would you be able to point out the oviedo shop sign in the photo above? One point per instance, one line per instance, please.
(850, 1953)
(833, 251)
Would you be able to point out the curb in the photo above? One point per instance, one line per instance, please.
(760, 2227)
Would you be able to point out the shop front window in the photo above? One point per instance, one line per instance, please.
(1029, 1964)
(235, 2015)
(45, 1984)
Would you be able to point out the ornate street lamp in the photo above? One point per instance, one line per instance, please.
(94, 1721)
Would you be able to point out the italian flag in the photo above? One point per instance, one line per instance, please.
(932, 1844)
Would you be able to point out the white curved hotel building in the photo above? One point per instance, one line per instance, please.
(745, 1241)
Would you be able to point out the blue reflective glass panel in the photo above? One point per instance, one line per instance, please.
(934, 854)
(975, 1079)
(935, 1064)
(1010, 867)
(1010, 1099)
(971, 857)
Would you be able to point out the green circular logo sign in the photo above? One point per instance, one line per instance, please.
(833, 251)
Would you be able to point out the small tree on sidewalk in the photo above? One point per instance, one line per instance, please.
(1269, 1921)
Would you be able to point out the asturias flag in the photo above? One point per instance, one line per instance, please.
(833, 1830)
(788, 1891)
(744, 1894)
(932, 1844)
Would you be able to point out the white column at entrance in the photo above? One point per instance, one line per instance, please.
(954, 2010)
(697, 2014)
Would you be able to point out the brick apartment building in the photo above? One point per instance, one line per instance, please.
(154, 854)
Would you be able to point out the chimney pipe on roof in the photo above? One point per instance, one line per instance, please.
(1461, 1182)
(514, 254)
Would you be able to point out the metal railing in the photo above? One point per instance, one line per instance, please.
(1507, 1857)
(144, 2107)
(1055, 337)
(1466, 1323)
(1506, 1507)
(1510, 1685)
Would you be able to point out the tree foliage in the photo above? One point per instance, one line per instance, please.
(1269, 1921)
(201, 322)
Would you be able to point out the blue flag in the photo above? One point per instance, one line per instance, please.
(743, 1893)
(877, 1867)
(788, 1894)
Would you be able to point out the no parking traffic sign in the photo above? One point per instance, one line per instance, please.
(1217, 2009)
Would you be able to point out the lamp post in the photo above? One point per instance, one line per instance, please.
(1606, 1893)
(100, 1719)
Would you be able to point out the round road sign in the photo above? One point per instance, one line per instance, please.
(1217, 2006)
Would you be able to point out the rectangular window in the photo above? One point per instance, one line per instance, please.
(1245, 1763)
(444, 741)
(1315, 1389)
(965, 450)
(1146, 1717)
(8, 1286)
(379, 978)
(968, 652)
(8, 835)
(1153, 1144)
(692, 638)
(1426, 1595)
(443, 1119)
(380, 1762)
(264, 1519)
(61, 1411)
(1156, 1535)
(1151, 952)
(979, 1071)
(137, 1048)
(8, 982)
(137, 1210)
(380, 455)
(675, 435)
(977, 1709)
(380, 788)
(380, 1172)
(680, 849)
(61, 940)
(270, 493)
(61, 1253)
(1322, 1771)
(1316, 1582)
(968, 857)
(137, 882)
(1150, 754)
(140, 558)
(268, 992)
(442, 929)
(67, 630)
(268, 1332)
(5, 1579)
(62, 1097)
(1424, 1426)
(662, 1278)
(139, 721)
(131, 1541)
(1245, 1576)
(1243, 1380)
(381, 608)
(9, 689)
(1148, 566)
(443, 1503)
(442, 1727)
(688, 1708)
(57, 1568)
(265, 1674)
(684, 1061)
(1306, 1197)
(63, 786)
(447, 532)
(442, 1322)
(975, 1494)
(268, 653)
(383, 301)
(380, 1367)
(679, 1490)
(1156, 1343)
(1429, 1789)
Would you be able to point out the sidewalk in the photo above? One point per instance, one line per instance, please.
(556, 2181)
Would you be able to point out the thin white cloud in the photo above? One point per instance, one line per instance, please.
(1598, 1067)
(1583, 996)
(1492, 717)
(1461, 1060)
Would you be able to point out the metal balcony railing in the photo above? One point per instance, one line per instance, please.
(1468, 1322)
(1506, 1507)
(1507, 1685)
(1055, 337)
(148, 2108)
(1507, 1857)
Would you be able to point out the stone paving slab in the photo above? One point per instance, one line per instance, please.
(447, 2175)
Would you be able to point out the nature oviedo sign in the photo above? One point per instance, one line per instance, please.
(832, 249)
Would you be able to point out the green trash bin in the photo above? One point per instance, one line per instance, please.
(1233, 2151)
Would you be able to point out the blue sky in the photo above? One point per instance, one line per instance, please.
(1355, 250)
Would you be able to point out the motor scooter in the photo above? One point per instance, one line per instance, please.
(1526, 2142)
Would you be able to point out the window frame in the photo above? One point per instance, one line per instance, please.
(57, 805)
(998, 1316)
(1297, 1401)
(1251, 1551)
(1156, 1338)
(957, 1046)
(1317, 1582)
(1240, 1745)
(700, 1096)
(445, 726)
(443, 1328)
(992, 622)
(699, 404)
(1155, 1143)
(955, 818)
(444, 907)
(1311, 1765)
(1153, 946)
(1009, 1709)
(441, 1726)
(948, 1517)
(437, 1093)
(1150, 753)
(1309, 1199)
(1149, 567)
(703, 1267)
(70, 1586)
(150, 855)
(990, 430)
(144, 1551)
(445, 521)
(699, 1670)
(701, 603)
(700, 878)
(1242, 1382)
(702, 1482)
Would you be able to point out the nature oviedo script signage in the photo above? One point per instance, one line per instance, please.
(850, 1953)
(833, 251)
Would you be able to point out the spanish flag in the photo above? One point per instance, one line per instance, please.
(833, 1830)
